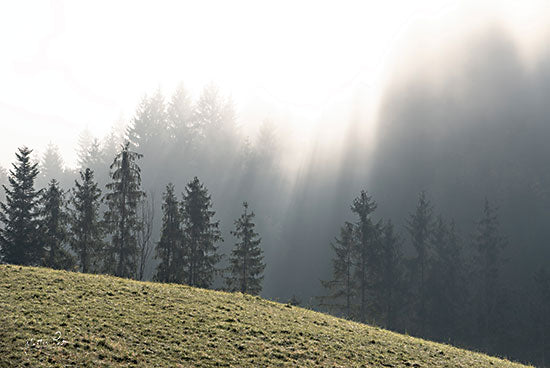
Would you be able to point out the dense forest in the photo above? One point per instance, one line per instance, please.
(439, 229)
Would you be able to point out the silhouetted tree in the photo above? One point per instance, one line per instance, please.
(343, 284)
(389, 283)
(53, 228)
(446, 283)
(169, 248)
(85, 227)
(419, 227)
(121, 217)
(201, 234)
(180, 120)
(366, 249)
(149, 128)
(51, 166)
(246, 260)
(19, 238)
(488, 244)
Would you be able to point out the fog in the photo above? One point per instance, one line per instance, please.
(462, 115)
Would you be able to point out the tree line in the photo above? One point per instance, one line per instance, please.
(447, 289)
(45, 228)
(182, 138)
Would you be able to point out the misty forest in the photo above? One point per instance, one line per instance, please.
(436, 225)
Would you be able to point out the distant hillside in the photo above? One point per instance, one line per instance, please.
(56, 318)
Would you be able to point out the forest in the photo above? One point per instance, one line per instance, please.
(438, 230)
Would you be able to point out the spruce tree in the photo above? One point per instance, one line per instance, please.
(121, 216)
(446, 283)
(389, 284)
(51, 166)
(488, 244)
(53, 228)
(246, 265)
(342, 285)
(420, 225)
(169, 248)
(367, 245)
(201, 233)
(85, 227)
(18, 238)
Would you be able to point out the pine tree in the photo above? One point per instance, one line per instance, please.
(389, 286)
(85, 228)
(19, 239)
(169, 248)
(343, 284)
(488, 244)
(121, 217)
(246, 265)
(201, 234)
(420, 227)
(53, 228)
(366, 250)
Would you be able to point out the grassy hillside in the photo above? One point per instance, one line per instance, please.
(54, 318)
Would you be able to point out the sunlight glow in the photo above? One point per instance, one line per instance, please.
(67, 65)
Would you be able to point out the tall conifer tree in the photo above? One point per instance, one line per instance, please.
(488, 244)
(169, 248)
(389, 283)
(246, 261)
(85, 226)
(343, 284)
(367, 245)
(121, 217)
(19, 239)
(201, 233)
(53, 227)
(420, 226)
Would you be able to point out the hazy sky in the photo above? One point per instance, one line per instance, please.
(68, 65)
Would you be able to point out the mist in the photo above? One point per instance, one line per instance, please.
(464, 124)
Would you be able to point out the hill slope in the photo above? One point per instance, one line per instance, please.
(56, 318)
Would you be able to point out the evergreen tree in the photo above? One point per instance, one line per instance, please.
(446, 283)
(19, 240)
(84, 144)
(367, 245)
(389, 286)
(420, 228)
(85, 228)
(147, 133)
(121, 217)
(53, 228)
(343, 285)
(51, 166)
(169, 248)
(201, 234)
(180, 115)
(488, 244)
(246, 266)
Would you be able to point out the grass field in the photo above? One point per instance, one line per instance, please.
(56, 318)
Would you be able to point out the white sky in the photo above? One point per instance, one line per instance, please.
(67, 65)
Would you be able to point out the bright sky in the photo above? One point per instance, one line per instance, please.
(68, 65)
